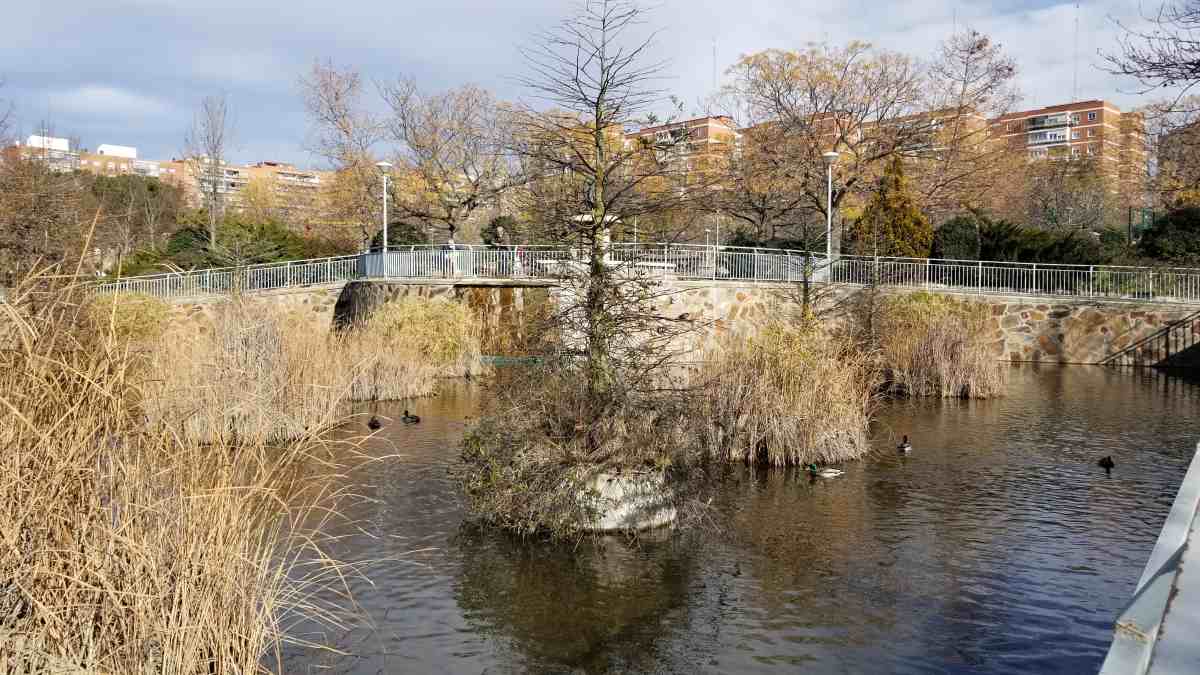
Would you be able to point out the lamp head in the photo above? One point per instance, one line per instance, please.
(830, 157)
(384, 165)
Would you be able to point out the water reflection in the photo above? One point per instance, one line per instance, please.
(600, 607)
(997, 546)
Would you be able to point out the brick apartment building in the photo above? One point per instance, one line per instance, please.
(693, 141)
(1096, 130)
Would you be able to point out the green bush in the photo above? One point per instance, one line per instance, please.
(1174, 237)
(957, 238)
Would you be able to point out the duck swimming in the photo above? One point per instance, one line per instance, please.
(409, 419)
(374, 424)
(1107, 464)
(905, 447)
(823, 473)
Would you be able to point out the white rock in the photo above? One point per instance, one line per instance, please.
(627, 503)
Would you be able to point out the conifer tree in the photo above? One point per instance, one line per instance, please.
(892, 223)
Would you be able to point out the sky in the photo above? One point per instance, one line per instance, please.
(132, 72)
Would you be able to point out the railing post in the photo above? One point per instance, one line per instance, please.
(1091, 280)
(979, 277)
(1035, 280)
(1151, 284)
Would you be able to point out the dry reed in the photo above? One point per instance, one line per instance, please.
(407, 345)
(936, 345)
(256, 375)
(129, 316)
(785, 396)
(126, 548)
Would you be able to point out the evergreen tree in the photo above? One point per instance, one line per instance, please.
(892, 224)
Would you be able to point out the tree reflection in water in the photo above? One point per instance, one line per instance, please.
(602, 606)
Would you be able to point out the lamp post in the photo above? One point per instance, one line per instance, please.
(829, 157)
(383, 169)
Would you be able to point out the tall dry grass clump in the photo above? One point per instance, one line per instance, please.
(408, 344)
(789, 395)
(937, 345)
(128, 316)
(256, 374)
(125, 547)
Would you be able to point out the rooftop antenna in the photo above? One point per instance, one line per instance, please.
(1075, 60)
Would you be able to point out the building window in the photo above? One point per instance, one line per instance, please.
(1074, 118)
(1074, 152)
(1075, 135)
(1091, 132)
(1092, 117)
(1091, 148)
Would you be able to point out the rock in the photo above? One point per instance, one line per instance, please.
(630, 503)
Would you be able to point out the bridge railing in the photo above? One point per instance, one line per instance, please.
(1181, 285)
(689, 262)
(263, 277)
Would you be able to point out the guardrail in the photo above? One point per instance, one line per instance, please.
(1156, 633)
(691, 262)
(229, 279)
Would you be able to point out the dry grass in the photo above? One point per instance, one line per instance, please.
(255, 376)
(129, 316)
(407, 345)
(936, 345)
(786, 396)
(125, 547)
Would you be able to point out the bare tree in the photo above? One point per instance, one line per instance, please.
(453, 152)
(969, 83)
(865, 103)
(1069, 196)
(205, 147)
(585, 179)
(345, 133)
(1167, 55)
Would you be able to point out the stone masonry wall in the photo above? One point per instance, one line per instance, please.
(313, 305)
(1045, 330)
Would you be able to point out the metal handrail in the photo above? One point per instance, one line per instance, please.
(690, 262)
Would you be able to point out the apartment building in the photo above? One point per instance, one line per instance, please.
(1096, 130)
(692, 142)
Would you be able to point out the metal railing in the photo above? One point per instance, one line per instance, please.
(690, 262)
(269, 276)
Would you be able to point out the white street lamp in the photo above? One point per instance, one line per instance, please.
(829, 157)
(384, 167)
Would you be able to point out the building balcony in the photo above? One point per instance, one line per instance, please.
(1049, 122)
(1038, 142)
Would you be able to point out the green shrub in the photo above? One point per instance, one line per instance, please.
(957, 239)
(1174, 237)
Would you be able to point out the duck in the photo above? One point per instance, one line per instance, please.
(823, 473)
(1107, 463)
(374, 424)
(905, 447)
(409, 419)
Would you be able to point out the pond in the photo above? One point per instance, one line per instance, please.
(997, 546)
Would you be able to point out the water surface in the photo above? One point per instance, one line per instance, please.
(997, 546)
